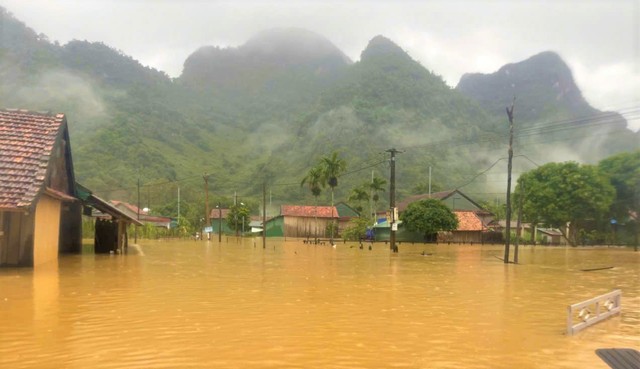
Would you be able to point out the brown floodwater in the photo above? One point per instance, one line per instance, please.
(201, 304)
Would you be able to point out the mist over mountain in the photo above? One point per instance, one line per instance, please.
(267, 110)
(549, 107)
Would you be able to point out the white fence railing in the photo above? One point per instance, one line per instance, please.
(592, 311)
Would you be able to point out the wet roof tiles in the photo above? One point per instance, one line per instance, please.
(26, 141)
(309, 211)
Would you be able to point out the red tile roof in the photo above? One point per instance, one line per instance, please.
(309, 211)
(26, 143)
(215, 213)
(468, 221)
(132, 208)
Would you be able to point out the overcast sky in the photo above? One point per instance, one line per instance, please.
(598, 39)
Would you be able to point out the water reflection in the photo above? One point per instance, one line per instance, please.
(235, 304)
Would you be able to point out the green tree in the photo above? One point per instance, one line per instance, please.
(358, 196)
(377, 185)
(429, 216)
(238, 217)
(559, 193)
(356, 230)
(332, 167)
(623, 171)
(314, 182)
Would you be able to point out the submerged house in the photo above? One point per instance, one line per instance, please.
(142, 214)
(110, 222)
(40, 215)
(301, 221)
(218, 220)
(472, 221)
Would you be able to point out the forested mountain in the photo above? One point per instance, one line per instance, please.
(549, 107)
(268, 109)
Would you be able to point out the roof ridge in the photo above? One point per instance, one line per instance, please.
(47, 113)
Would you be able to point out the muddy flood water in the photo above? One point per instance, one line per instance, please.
(198, 304)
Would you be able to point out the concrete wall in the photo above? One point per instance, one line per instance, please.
(47, 230)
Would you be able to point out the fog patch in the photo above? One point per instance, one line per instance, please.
(62, 92)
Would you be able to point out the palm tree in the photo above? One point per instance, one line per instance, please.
(376, 185)
(358, 195)
(314, 182)
(332, 167)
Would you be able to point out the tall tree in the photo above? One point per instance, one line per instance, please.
(561, 193)
(428, 217)
(332, 166)
(377, 185)
(314, 182)
(358, 195)
(238, 217)
(623, 171)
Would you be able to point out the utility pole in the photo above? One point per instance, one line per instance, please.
(519, 223)
(219, 222)
(509, 166)
(371, 212)
(206, 200)
(264, 214)
(138, 214)
(178, 204)
(392, 200)
(235, 211)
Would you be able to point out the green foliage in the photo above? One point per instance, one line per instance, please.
(358, 196)
(623, 171)
(250, 120)
(356, 230)
(558, 193)
(238, 217)
(332, 167)
(429, 216)
(314, 181)
(332, 229)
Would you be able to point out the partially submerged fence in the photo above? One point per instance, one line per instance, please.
(592, 311)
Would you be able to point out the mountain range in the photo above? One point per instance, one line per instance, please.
(267, 110)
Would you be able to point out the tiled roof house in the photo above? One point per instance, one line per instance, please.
(302, 221)
(39, 214)
(144, 216)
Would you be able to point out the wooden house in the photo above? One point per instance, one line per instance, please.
(110, 222)
(551, 236)
(218, 221)
(473, 219)
(454, 199)
(345, 214)
(301, 221)
(40, 215)
(470, 229)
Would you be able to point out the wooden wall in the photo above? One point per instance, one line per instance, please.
(305, 227)
(16, 244)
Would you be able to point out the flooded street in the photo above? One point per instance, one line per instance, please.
(202, 304)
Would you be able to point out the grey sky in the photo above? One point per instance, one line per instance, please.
(598, 39)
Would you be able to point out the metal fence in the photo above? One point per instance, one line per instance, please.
(592, 311)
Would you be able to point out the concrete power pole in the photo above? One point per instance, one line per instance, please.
(392, 200)
(264, 215)
(206, 199)
(509, 166)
